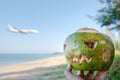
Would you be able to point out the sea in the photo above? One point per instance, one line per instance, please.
(10, 59)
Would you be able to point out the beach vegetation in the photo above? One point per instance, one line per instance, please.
(57, 72)
(109, 15)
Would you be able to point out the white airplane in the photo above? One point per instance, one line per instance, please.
(24, 31)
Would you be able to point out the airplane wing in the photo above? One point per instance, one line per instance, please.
(28, 31)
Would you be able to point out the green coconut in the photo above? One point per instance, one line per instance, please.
(87, 49)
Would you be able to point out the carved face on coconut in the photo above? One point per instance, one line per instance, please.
(87, 49)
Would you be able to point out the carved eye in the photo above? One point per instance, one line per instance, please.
(91, 43)
(65, 46)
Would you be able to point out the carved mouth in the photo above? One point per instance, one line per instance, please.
(80, 60)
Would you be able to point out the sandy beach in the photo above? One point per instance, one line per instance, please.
(34, 70)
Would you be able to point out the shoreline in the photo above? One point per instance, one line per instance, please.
(26, 69)
(12, 59)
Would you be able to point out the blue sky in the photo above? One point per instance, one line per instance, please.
(55, 20)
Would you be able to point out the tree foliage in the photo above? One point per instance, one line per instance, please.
(109, 15)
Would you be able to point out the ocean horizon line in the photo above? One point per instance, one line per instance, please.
(32, 53)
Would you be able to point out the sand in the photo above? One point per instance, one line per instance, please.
(34, 70)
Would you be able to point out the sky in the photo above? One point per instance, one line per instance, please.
(54, 19)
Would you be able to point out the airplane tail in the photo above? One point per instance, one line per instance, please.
(10, 28)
